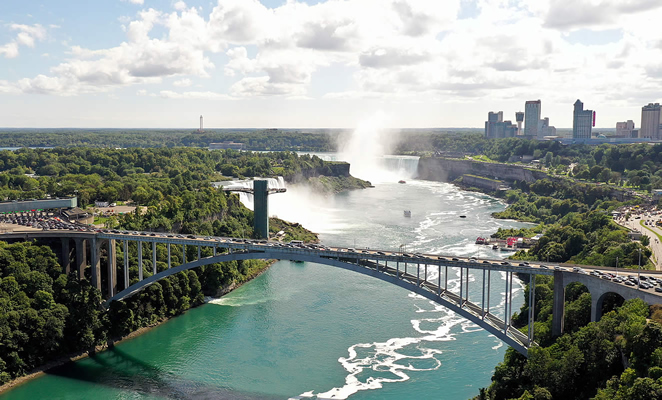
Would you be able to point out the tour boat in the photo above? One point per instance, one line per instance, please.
(407, 213)
(463, 216)
(480, 240)
(401, 181)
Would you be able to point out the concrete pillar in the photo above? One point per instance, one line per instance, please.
(66, 260)
(154, 258)
(81, 257)
(596, 307)
(112, 268)
(140, 260)
(126, 263)
(558, 307)
(95, 254)
(169, 256)
(198, 252)
(183, 254)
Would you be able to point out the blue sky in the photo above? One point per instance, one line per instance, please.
(316, 63)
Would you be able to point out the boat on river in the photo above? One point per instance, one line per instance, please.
(401, 181)
(407, 213)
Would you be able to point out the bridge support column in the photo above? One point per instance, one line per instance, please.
(112, 268)
(596, 307)
(467, 291)
(198, 252)
(446, 279)
(154, 258)
(532, 305)
(510, 306)
(169, 256)
(81, 257)
(214, 251)
(140, 260)
(489, 281)
(66, 259)
(482, 302)
(125, 248)
(95, 252)
(183, 254)
(505, 311)
(558, 307)
(461, 286)
(439, 279)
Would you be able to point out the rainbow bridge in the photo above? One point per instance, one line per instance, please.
(424, 274)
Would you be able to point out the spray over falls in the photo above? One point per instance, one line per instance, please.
(368, 150)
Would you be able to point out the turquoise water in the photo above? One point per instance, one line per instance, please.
(305, 330)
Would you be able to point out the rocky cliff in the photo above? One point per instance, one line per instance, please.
(447, 170)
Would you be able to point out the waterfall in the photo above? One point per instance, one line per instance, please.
(247, 198)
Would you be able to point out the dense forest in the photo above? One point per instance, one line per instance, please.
(260, 140)
(146, 176)
(45, 314)
(619, 357)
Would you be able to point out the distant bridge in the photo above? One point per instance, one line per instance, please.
(426, 275)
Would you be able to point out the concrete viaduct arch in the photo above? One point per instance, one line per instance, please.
(598, 288)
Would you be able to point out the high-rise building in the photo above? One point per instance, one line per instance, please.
(492, 119)
(496, 127)
(532, 111)
(624, 129)
(519, 117)
(200, 130)
(582, 121)
(650, 121)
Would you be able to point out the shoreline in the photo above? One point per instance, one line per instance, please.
(76, 356)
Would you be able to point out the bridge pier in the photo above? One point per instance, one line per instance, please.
(112, 268)
(153, 258)
(169, 256)
(81, 257)
(95, 252)
(140, 260)
(66, 256)
(532, 306)
(558, 307)
(125, 248)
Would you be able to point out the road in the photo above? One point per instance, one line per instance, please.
(634, 224)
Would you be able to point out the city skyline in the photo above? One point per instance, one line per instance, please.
(323, 64)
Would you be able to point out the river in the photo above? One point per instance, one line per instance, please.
(304, 330)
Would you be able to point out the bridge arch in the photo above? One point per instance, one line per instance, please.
(489, 322)
(607, 302)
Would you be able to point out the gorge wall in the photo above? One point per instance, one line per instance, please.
(447, 170)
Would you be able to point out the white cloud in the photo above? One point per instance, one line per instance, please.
(168, 94)
(404, 50)
(27, 36)
(138, 2)
(183, 83)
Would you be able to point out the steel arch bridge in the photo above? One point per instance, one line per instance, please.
(414, 272)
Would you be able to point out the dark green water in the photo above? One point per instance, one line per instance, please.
(307, 330)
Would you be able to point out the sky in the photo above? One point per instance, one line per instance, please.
(323, 63)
